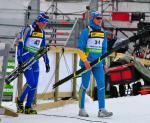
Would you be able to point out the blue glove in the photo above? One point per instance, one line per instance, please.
(47, 68)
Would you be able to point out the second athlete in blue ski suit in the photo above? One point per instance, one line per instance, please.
(32, 39)
(93, 43)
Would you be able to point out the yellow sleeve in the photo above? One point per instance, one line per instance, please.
(82, 55)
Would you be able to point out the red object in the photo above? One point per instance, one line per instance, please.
(120, 16)
(65, 22)
(60, 33)
(140, 55)
(144, 92)
(84, 15)
(120, 74)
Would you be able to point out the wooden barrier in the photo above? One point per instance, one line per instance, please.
(45, 106)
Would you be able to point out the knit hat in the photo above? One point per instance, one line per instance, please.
(42, 17)
(95, 14)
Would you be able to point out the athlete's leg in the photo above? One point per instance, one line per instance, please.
(31, 93)
(83, 88)
(30, 79)
(98, 73)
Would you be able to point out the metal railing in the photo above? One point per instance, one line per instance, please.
(4, 51)
(74, 34)
(66, 32)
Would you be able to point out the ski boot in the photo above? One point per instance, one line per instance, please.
(20, 107)
(104, 113)
(29, 110)
(83, 113)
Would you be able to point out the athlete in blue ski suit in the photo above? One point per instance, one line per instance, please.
(32, 39)
(93, 43)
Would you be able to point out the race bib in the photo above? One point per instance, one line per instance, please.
(94, 45)
(33, 44)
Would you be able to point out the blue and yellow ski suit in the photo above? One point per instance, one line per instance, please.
(32, 39)
(93, 43)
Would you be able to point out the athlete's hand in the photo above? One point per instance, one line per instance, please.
(47, 68)
(87, 64)
(105, 68)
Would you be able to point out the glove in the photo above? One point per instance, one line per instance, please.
(47, 68)
(105, 68)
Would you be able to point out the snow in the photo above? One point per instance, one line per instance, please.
(130, 109)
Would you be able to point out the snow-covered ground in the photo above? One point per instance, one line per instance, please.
(131, 109)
